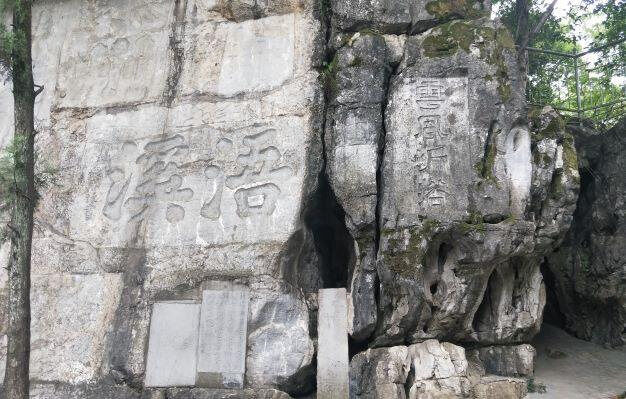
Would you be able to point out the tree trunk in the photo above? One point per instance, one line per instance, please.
(521, 39)
(16, 383)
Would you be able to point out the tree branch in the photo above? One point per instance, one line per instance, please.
(39, 89)
(536, 28)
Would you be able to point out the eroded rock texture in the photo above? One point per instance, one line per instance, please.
(460, 214)
(288, 146)
(186, 141)
(588, 271)
(430, 369)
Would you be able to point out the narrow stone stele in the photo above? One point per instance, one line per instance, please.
(222, 345)
(332, 355)
(173, 344)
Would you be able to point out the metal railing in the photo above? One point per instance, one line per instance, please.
(573, 85)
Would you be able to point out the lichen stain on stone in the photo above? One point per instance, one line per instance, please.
(491, 43)
(458, 8)
(407, 248)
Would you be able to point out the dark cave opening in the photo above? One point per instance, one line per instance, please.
(552, 310)
(333, 243)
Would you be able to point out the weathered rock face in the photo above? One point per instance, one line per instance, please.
(186, 141)
(431, 157)
(426, 370)
(587, 272)
(513, 360)
(289, 146)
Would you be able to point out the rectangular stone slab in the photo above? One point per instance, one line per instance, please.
(428, 151)
(332, 355)
(223, 329)
(173, 344)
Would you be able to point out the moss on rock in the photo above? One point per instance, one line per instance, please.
(456, 8)
(406, 249)
(453, 36)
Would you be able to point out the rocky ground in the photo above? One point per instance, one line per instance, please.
(576, 369)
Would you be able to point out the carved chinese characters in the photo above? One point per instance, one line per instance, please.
(428, 131)
(432, 156)
(222, 342)
(254, 192)
(126, 65)
(160, 180)
(200, 185)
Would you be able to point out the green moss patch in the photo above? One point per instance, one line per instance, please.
(406, 257)
(454, 36)
(469, 9)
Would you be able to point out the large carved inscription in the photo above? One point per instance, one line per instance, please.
(159, 179)
(201, 192)
(254, 189)
(431, 156)
(440, 138)
(429, 128)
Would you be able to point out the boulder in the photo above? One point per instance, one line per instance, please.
(510, 361)
(495, 387)
(430, 369)
(380, 373)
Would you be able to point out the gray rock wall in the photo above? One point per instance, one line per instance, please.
(185, 139)
(587, 272)
(290, 146)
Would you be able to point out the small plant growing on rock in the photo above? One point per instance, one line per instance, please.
(535, 387)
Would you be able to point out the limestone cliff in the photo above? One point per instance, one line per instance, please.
(293, 145)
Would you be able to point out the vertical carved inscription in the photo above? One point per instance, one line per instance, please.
(222, 345)
(433, 121)
(432, 155)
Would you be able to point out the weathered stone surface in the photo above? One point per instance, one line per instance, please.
(281, 54)
(280, 350)
(353, 136)
(456, 183)
(203, 393)
(430, 369)
(83, 391)
(511, 361)
(380, 373)
(111, 391)
(222, 339)
(438, 370)
(556, 180)
(494, 387)
(71, 317)
(402, 16)
(241, 10)
(332, 344)
(176, 131)
(99, 68)
(588, 270)
(173, 346)
(196, 149)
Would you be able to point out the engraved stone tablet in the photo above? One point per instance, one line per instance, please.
(332, 354)
(428, 148)
(222, 348)
(173, 344)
